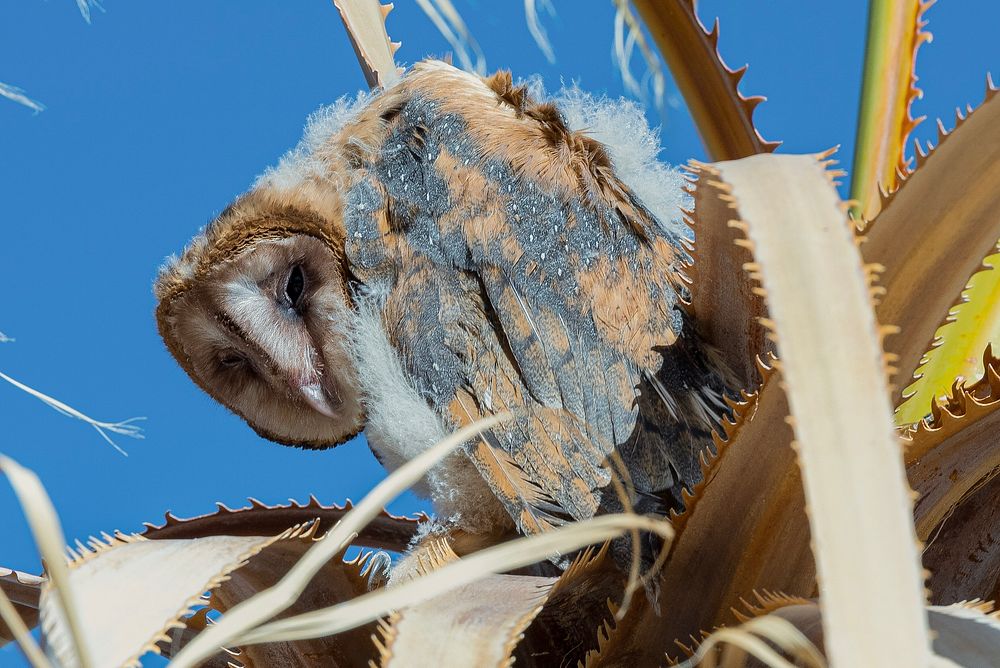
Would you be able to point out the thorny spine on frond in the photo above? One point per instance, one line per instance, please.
(384, 638)
(387, 531)
(85, 553)
(987, 608)
(871, 271)
(591, 560)
(607, 633)
(358, 569)
(741, 410)
(902, 130)
(691, 51)
(967, 402)
(766, 603)
(718, 257)
(927, 358)
(952, 314)
(433, 554)
(923, 154)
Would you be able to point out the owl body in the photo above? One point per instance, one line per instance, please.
(479, 257)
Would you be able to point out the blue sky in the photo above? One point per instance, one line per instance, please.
(158, 114)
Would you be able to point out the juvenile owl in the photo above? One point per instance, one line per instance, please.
(449, 251)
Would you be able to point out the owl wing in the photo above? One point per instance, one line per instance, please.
(544, 289)
(572, 399)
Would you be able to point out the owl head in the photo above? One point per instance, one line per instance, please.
(255, 310)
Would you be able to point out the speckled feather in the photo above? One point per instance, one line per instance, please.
(488, 259)
(523, 275)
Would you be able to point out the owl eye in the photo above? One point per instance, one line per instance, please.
(231, 360)
(293, 289)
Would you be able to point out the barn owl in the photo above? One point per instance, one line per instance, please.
(445, 250)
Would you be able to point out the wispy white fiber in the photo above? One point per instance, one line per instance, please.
(17, 95)
(535, 26)
(5, 339)
(634, 148)
(85, 7)
(449, 23)
(125, 427)
(301, 163)
(625, 46)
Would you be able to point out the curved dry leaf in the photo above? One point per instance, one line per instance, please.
(23, 590)
(933, 234)
(365, 23)
(580, 605)
(965, 634)
(724, 300)
(719, 557)
(745, 645)
(337, 581)
(477, 624)
(494, 560)
(570, 607)
(131, 591)
(833, 372)
(723, 116)
(385, 532)
(956, 451)
(532, 620)
(47, 532)
(963, 553)
(245, 617)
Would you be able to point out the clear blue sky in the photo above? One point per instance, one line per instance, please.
(159, 113)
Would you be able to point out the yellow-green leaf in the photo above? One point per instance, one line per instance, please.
(971, 326)
(933, 235)
(894, 35)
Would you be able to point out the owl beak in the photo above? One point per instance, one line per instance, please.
(318, 399)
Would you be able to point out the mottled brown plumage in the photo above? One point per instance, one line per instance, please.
(510, 269)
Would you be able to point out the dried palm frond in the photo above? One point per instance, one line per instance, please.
(810, 492)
